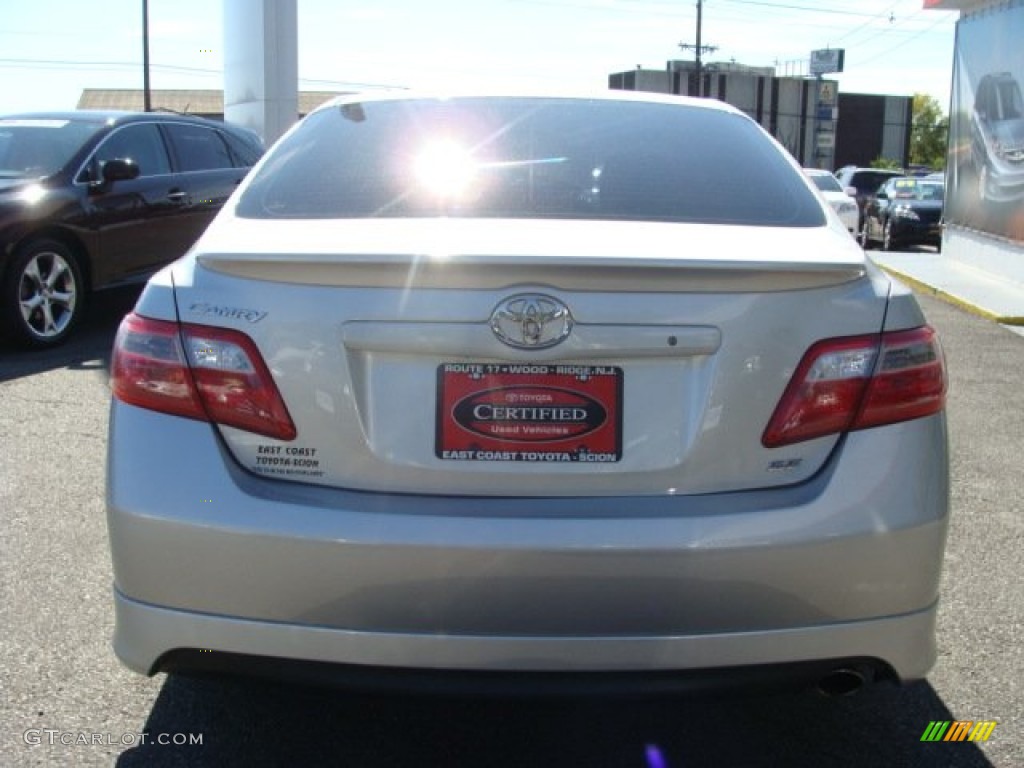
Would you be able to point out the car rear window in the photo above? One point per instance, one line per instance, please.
(914, 189)
(826, 182)
(531, 158)
(867, 182)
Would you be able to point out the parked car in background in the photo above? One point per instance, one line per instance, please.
(865, 181)
(89, 200)
(997, 138)
(842, 200)
(510, 388)
(904, 211)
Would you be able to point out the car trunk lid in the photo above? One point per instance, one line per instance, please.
(680, 340)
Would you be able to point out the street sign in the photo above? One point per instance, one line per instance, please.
(827, 60)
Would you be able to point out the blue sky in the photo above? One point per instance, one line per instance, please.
(51, 49)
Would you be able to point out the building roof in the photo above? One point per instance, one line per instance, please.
(190, 101)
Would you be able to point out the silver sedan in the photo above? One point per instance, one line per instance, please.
(580, 387)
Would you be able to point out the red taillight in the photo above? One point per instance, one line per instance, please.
(860, 382)
(909, 381)
(212, 374)
(149, 369)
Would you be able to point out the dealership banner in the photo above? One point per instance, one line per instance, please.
(985, 168)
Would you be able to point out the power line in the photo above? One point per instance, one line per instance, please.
(129, 65)
(897, 27)
(869, 22)
(901, 43)
(602, 8)
(351, 83)
(788, 6)
(75, 64)
(798, 18)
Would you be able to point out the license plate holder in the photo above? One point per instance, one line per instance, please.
(534, 413)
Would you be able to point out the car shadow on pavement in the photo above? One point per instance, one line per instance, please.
(87, 348)
(248, 722)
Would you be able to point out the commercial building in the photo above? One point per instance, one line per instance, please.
(821, 127)
(202, 102)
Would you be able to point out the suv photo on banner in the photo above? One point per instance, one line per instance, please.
(986, 166)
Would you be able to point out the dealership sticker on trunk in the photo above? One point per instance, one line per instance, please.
(529, 412)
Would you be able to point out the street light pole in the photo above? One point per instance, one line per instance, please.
(700, 6)
(699, 49)
(146, 101)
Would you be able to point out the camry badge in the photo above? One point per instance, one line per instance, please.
(531, 321)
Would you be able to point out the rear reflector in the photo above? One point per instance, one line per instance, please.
(860, 382)
(200, 372)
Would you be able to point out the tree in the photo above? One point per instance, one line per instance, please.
(928, 133)
(885, 162)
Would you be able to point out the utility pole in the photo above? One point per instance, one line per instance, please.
(147, 104)
(698, 49)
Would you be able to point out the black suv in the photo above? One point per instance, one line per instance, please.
(90, 200)
(866, 181)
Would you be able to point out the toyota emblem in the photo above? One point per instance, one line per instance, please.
(531, 321)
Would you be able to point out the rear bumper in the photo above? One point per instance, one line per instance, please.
(850, 221)
(908, 232)
(150, 639)
(207, 556)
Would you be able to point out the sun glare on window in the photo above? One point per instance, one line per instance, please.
(445, 169)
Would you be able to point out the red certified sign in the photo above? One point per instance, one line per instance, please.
(529, 412)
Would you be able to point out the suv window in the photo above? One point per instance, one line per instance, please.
(199, 148)
(531, 158)
(865, 180)
(826, 182)
(1008, 106)
(245, 155)
(32, 147)
(868, 182)
(142, 144)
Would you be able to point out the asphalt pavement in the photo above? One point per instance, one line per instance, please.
(59, 678)
(66, 701)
